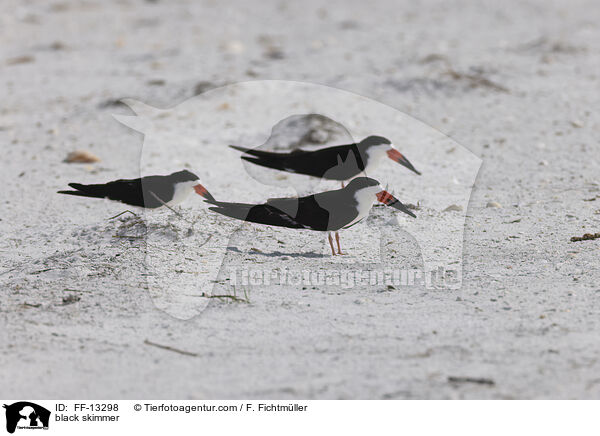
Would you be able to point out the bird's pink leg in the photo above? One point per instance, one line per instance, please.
(337, 239)
(331, 244)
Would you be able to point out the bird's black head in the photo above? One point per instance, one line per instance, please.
(372, 140)
(361, 183)
(184, 176)
(368, 189)
(378, 146)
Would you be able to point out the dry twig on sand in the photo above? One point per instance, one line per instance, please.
(233, 297)
(124, 212)
(168, 348)
(476, 380)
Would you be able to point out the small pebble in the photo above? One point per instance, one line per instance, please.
(81, 156)
(577, 123)
(233, 47)
(203, 86)
(453, 208)
(156, 82)
(20, 60)
(494, 204)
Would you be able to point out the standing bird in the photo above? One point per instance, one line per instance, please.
(341, 162)
(149, 192)
(327, 211)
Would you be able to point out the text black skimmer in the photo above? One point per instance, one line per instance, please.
(341, 162)
(149, 192)
(327, 211)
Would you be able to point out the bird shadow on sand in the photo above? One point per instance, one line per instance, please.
(309, 255)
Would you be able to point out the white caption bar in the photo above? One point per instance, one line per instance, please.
(99, 417)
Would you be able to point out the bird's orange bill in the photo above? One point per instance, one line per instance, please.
(389, 200)
(396, 156)
(203, 192)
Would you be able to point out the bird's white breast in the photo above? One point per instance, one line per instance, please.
(365, 199)
(374, 156)
(182, 191)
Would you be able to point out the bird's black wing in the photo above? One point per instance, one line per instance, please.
(330, 210)
(156, 186)
(340, 162)
(340, 206)
(126, 191)
(269, 159)
(256, 213)
(134, 192)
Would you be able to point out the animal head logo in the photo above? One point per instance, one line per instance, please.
(185, 267)
(26, 415)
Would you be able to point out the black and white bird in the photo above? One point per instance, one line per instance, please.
(149, 192)
(328, 211)
(341, 162)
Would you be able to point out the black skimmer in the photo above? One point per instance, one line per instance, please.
(149, 192)
(327, 211)
(341, 162)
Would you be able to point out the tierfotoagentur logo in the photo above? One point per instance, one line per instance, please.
(403, 220)
(25, 415)
(343, 278)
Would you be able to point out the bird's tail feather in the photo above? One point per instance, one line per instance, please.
(267, 159)
(259, 153)
(277, 163)
(96, 191)
(239, 211)
(242, 149)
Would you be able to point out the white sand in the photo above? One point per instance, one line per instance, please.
(516, 84)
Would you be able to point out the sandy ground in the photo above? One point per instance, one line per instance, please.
(515, 83)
